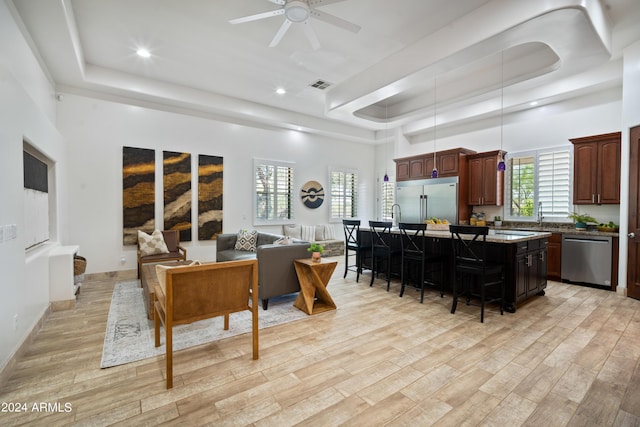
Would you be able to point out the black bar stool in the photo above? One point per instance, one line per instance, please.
(382, 249)
(469, 259)
(415, 252)
(352, 243)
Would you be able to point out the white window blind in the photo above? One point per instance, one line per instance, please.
(344, 194)
(273, 192)
(554, 180)
(387, 201)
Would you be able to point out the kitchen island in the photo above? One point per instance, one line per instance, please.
(523, 253)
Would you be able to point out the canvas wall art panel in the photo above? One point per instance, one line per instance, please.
(138, 192)
(209, 197)
(177, 193)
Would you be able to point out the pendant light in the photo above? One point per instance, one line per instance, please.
(501, 164)
(434, 172)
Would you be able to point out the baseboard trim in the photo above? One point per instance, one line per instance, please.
(63, 305)
(10, 366)
(621, 291)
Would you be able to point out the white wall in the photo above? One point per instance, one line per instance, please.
(96, 130)
(26, 112)
(546, 126)
(543, 127)
(630, 118)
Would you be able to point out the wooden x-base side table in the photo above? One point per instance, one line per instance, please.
(314, 277)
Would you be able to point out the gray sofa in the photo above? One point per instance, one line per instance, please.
(276, 273)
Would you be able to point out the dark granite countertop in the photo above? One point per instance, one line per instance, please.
(495, 235)
(555, 228)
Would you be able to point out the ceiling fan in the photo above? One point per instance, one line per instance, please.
(299, 12)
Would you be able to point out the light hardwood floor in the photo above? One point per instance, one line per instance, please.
(568, 358)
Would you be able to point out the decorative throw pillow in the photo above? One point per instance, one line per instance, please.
(152, 244)
(161, 273)
(308, 233)
(320, 233)
(293, 231)
(284, 241)
(329, 232)
(247, 240)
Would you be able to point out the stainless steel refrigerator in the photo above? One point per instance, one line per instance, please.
(427, 198)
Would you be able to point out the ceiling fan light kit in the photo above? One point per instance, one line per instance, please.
(299, 12)
(296, 11)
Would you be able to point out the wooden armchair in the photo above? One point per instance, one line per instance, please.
(196, 292)
(176, 252)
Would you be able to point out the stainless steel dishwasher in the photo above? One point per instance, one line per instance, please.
(586, 259)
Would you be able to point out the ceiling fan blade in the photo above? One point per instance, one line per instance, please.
(281, 2)
(262, 15)
(334, 20)
(316, 3)
(311, 35)
(283, 29)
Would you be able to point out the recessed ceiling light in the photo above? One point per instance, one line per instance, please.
(143, 52)
(281, 91)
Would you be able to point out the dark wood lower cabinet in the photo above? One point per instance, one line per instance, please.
(530, 269)
(554, 258)
(526, 265)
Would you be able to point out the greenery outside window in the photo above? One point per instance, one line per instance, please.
(273, 192)
(344, 194)
(521, 173)
(538, 183)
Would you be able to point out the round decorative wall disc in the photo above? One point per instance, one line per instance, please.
(312, 194)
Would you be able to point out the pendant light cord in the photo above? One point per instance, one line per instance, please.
(434, 172)
(501, 98)
(386, 135)
(501, 164)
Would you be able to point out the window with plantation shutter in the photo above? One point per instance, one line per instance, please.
(387, 201)
(273, 192)
(554, 180)
(344, 194)
(521, 177)
(538, 183)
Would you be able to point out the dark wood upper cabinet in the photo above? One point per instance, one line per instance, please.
(486, 184)
(416, 169)
(448, 163)
(596, 169)
(402, 170)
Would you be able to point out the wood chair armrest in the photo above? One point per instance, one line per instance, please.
(183, 250)
(159, 296)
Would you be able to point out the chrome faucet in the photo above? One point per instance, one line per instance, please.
(399, 212)
(540, 213)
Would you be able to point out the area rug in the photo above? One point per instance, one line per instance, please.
(129, 335)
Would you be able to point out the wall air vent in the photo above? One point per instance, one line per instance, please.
(320, 84)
